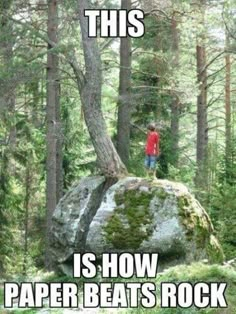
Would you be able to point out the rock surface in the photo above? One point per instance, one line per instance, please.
(134, 215)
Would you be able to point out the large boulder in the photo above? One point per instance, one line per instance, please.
(71, 221)
(134, 215)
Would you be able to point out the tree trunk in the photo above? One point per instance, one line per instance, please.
(52, 127)
(202, 123)
(175, 105)
(202, 127)
(228, 138)
(60, 140)
(124, 103)
(90, 93)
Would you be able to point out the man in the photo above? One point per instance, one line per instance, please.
(152, 150)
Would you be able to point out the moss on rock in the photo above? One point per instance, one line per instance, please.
(129, 224)
(214, 250)
(161, 194)
(198, 229)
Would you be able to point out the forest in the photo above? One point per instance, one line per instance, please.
(74, 107)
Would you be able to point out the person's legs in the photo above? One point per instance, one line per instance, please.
(153, 161)
(147, 165)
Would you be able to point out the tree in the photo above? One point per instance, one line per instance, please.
(124, 102)
(228, 137)
(90, 84)
(53, 113)
(202, 125)
(175, 104)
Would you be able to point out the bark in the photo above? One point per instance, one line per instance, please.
(59, 148)
(202, 126)
(124, 102)
(202, 123)
(90, 92)
(175, 105)
(51, 120)
(228, 139)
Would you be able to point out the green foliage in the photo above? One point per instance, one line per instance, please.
(158, 35)
(77, 160)
(223, 213)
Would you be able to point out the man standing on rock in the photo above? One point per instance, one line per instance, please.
(152, 150)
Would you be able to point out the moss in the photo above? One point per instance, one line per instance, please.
(130, 222)
(214, 251)
(161, 194)
(198, 230)
(195, 225)
(187, 217)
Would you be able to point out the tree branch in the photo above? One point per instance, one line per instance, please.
(70, 58)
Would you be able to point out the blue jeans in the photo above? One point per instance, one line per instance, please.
(150, 161)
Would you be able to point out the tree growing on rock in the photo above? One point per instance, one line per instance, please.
(90, 85)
